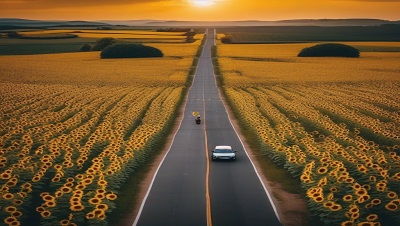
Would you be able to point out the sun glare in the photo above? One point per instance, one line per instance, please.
(202, 3)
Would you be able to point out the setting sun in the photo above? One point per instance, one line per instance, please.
(201, 3)
(198, 10)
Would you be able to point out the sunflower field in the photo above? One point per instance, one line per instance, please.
(333, 123)
(74, 127)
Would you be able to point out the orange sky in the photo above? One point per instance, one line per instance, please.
(198, 9)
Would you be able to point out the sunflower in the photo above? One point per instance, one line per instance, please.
(100, 195)
(80, 186)
(66, 189)
(4, 189)
(58, 194)
(305, 178)
(381, 189)
(74, 203)
(16, 214)
(111, 196)
(75, 199)
(10, 209)
(78, 193)
(354, 216)
(354, 209)
(55, 179)
(45, 214)
(322, 170)
(5, 175)
(395, 201)
(90, 215)
(64, 222)
(356, 186)
(9, 220)
(336, 207)
(69, 184)
(333, 189)
(330, 196)
(70, 179)
(369, 205)
(363, 198)
(8, 196)
(328, 204)
(372, 217)
(50, 203)
(48, 198)
(102, 206)
(40, 209)
(391, 195)
(347, 223)
(347, 198)
(102, 182)
(101, 216)
(97, 212)
(27, 190)
(361, 192)
(391, 206)
(365, 224)
(79, 176)
(36, 178)
(349, 180)
(94, 201)
(78, 207)
(319, 199)
(367, 187)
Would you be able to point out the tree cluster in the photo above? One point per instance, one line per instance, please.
(329, 50)
(130, 50)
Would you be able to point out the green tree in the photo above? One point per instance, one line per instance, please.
(329, 50)
(86, 47)
(130, 50)
(103, 43)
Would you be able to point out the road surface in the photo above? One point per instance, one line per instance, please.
(189, 189)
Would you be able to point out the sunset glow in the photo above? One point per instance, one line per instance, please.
(202, 3)
(207, 10)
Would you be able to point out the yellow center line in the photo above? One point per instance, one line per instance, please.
(208, 200)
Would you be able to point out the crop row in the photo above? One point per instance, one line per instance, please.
(341, 141)
(333, 123)
(65, 150)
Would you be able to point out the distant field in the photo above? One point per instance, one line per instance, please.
(333, 123)
(74, 127)
(44, 46)
(248, 64)
(311, 34)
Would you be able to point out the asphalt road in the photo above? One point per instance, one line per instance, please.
(189, 189)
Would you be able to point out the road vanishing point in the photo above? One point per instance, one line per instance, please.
(188, 188)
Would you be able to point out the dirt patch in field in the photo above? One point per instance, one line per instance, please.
(291, 208)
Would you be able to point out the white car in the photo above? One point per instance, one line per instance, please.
(224, 153)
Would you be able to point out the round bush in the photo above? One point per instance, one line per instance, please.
(130, 50)
(103, 43)
(86, 47)
(329, 50)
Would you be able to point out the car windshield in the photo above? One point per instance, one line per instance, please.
(223, 151)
